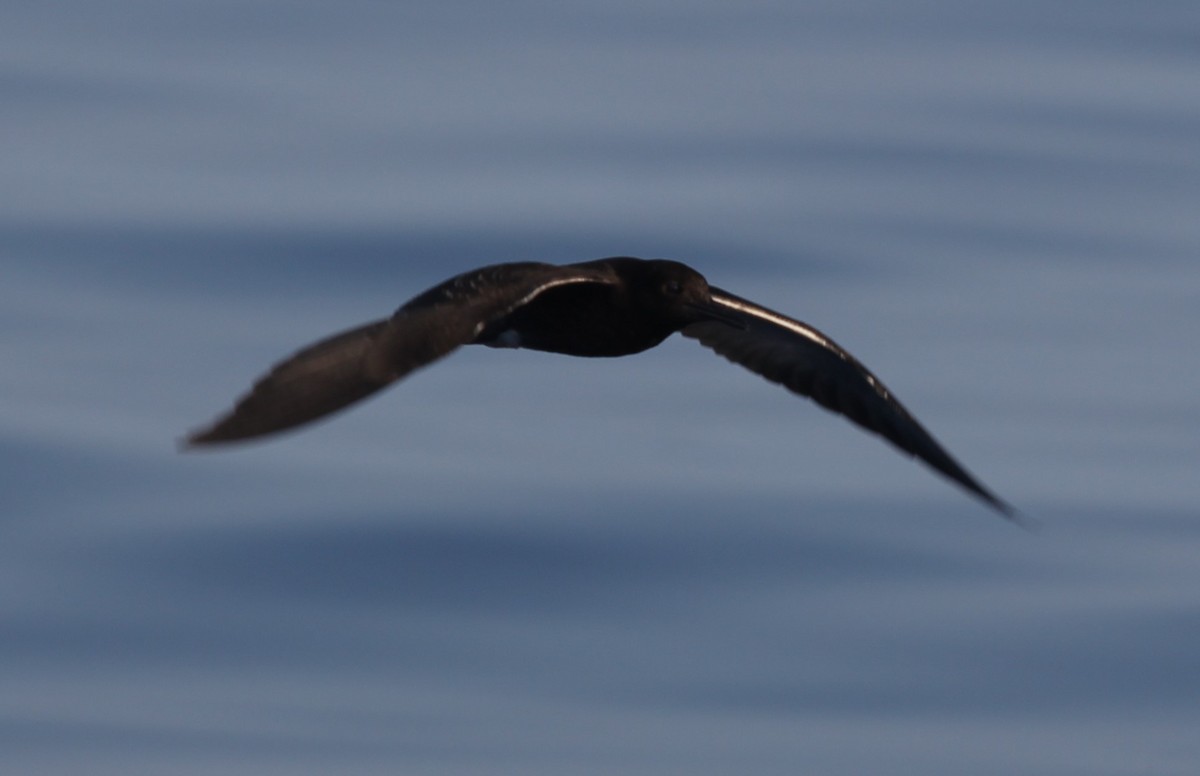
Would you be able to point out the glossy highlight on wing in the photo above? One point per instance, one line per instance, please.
(341, 370)
(807, 362)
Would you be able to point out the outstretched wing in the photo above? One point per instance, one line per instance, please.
(807, 362)
(336, 372)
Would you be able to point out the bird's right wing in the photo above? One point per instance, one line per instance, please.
(807, 362)
(336, 372)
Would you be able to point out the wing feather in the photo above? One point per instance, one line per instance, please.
(807, 362)
(336, 372)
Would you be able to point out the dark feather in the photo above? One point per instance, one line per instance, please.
(334, 373)
(805, 361)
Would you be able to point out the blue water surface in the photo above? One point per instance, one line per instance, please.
(522, 563)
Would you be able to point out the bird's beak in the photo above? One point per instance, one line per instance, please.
(711, 311)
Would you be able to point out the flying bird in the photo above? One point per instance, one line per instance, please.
(609, 307)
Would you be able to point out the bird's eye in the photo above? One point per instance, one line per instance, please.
(673, 288)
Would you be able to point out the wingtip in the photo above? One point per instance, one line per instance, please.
(1022, 520)
(1010, 513)
(191, 442)
(209, 436)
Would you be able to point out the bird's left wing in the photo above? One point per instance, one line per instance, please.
(338, 371)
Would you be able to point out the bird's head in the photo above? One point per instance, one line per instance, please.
(682, 293)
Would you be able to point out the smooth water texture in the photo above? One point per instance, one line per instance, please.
(522, 563)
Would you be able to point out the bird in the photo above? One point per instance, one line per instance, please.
(609, 307)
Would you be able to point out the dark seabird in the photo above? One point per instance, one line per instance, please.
(610, 307)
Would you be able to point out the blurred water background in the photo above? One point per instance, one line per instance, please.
(523, 563)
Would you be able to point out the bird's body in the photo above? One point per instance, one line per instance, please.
(610, 307)
(594, 318)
